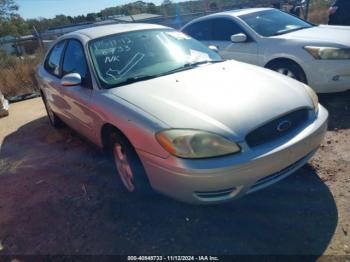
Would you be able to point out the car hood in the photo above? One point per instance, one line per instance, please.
(229, 98)
(324, 34)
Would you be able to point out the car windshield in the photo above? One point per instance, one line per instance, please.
(274, 22)
(140, 55)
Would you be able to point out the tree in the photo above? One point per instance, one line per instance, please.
(7, 8)
(152, 8)
(91, 17)
(14, 26)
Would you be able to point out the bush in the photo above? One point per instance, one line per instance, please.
(17, 74)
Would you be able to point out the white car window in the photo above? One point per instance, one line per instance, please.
(224, 28)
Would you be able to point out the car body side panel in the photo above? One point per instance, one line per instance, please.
(138, 126)
(244, 52)
(79, 109)
(51, 88)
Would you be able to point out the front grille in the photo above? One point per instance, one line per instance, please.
(271, 130)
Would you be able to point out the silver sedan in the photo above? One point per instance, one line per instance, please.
(176, 117)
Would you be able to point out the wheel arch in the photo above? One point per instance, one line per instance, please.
(107, 129)
(285, 60)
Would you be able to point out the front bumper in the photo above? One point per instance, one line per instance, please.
(328, 76)
(221, 179)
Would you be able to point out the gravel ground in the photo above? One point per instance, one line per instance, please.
(59, 195)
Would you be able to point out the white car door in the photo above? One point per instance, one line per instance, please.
(218, 32)
(222, 30)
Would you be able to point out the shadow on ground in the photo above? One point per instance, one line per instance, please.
(58, 195)
(338, 106)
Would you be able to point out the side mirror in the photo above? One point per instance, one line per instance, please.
(239, 38)
(214, 48)
(72, 79)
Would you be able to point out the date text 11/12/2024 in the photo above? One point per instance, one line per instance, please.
(173, 258)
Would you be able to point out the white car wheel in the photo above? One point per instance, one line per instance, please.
(286, 72)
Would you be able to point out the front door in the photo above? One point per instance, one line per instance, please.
(222, 30)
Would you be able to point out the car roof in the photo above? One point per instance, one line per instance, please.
(101, 31)
(239, 12)
(235, 13)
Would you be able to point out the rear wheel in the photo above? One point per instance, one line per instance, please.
(54, 120)
(288, 68)
(130, 170)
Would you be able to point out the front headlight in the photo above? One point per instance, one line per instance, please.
(186, 143)
(313, 96)
(328, 53)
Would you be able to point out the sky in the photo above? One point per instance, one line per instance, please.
(50, 8)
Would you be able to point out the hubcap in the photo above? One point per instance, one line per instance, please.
(123, 167)
(287, 72)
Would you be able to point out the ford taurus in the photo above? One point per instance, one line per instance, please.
(175, 117)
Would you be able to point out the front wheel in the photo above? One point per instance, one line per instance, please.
(132, 175)
(289, 68)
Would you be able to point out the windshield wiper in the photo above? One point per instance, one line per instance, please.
(188, 66)
(194, 64)
(135, 79)
(290, 31)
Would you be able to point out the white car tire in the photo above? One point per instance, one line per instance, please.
(288, 68)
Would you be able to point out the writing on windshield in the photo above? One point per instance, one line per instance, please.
(144, 53)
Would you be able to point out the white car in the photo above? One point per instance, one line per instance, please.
(316, 55)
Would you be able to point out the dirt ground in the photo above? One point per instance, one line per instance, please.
(59, 195)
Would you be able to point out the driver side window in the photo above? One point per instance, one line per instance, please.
(224, 28)
(200, 30)
(74, 61)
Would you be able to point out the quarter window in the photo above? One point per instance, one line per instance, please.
(52, 63)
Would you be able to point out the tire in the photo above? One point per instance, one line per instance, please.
(132, 176)
(289, 68)
(54, 120)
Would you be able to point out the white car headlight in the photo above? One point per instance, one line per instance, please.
(328, 53)
(187, 143)
(313, 96)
